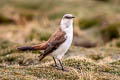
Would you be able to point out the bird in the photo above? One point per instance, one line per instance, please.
(58, 44)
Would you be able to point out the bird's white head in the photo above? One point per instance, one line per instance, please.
(67, 22)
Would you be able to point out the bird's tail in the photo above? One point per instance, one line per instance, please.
(25, 48)
(42, 46)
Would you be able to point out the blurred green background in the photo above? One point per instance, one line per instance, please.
(26, 21)
(29, 22)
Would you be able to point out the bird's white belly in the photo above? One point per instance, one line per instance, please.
(62, 49)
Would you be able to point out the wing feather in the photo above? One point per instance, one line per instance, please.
(54, 42)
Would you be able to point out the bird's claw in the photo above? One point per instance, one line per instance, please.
(54, 65)
(63, 69)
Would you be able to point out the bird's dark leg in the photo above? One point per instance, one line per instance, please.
(55, 62)
(62, 67)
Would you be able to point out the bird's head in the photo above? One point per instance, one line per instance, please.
(68, 16)
(67, 21)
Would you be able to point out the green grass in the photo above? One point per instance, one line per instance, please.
(4, 44)
(79, 68)
(88, 23)
(35, 34)
(110, 32)
(5, 20)
(56, 15)
(118, 44)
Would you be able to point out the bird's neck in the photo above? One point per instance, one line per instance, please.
(67, 26)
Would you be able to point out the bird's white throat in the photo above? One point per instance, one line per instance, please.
(67, 25)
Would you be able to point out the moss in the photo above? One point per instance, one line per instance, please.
(28, 16)
(110, 32)
(118, 44)
(112, 70)
(38, 35)
(1, 60)
(39, 73)
(107, 69)
(116, 62)
(96, 57)
(87, 66)
(29, 5)
(5, 44)
(14, 59)
(55, 16)
(78, 64)
(44, 36)
(5, 52)
(31, 36)
(79, 69)
(5, 20)
(88, 23)
(10, 59)
(36, 52)
(51, 73)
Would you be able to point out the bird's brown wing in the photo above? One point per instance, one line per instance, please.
(42, 46)
(54, 42)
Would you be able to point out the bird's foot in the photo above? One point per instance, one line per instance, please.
(54, 65)
(63, 69)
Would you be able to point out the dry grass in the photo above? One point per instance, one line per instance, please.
(81, 66)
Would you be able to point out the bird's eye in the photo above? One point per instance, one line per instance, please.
(67, 17)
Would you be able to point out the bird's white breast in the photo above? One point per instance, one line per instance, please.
(62, 49)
